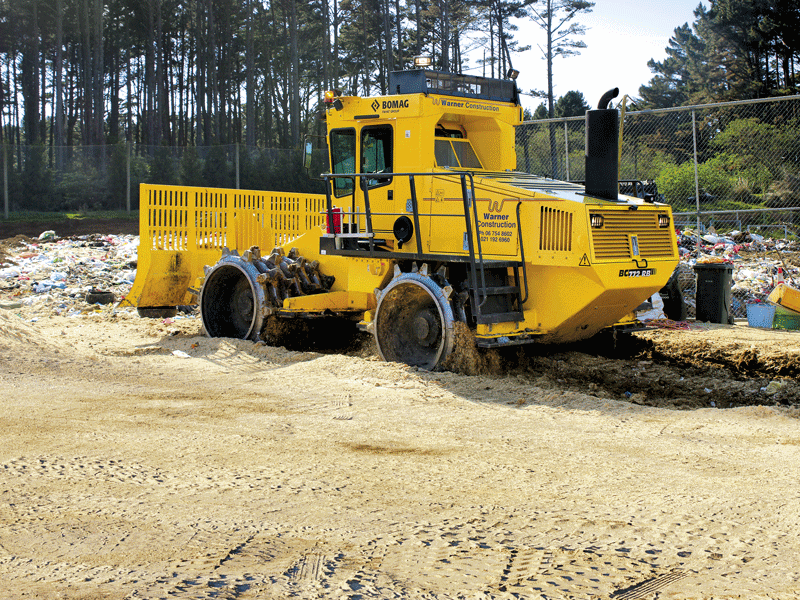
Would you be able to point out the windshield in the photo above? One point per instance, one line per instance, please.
(454, 152)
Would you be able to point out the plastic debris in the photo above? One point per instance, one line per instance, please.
(656, 312)
(180, 354)
(773, 387)
(758, 264)
(68, 276)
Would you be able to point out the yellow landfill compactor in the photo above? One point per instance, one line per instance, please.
(424, 222)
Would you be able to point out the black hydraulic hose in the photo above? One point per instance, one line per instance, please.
(606, 98)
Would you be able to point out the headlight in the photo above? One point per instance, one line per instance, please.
(596, 221)
(663, 220)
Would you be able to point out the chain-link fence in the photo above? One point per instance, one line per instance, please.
(732, 165)
(74, 178)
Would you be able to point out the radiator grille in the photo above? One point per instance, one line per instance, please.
(612, 241)
(555, 231)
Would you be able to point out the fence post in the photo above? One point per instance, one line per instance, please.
(566, 147)
(5, 179)
(696, 180)
(128, 172)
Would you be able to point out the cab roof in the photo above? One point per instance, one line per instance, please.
(450, 84)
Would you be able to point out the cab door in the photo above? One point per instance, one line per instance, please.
(376, 143)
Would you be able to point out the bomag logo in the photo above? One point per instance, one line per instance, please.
(389, 104)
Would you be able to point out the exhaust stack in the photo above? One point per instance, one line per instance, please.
(602, 149)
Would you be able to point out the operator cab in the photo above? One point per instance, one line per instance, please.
(431, 129)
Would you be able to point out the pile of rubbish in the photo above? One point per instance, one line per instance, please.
(71, 276)
(759, 265)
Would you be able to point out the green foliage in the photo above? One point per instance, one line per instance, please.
(162, 167)
(118, 176)
(540, 112)
(642, 162)
(285, 173)
(216, 171)
(754, 147)
(37, 189)
(14, 181)
(677, 182)
(726, 55)
(191, 168)
(571, 104)
(82, 187)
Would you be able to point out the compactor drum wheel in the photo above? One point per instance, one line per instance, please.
(414, 322)
(231, 300)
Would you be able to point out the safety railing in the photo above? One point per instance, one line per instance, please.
(475, 253)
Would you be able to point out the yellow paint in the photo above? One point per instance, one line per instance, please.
(579, 279)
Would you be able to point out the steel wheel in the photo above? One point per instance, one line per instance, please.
(232, 301)
(414, 322)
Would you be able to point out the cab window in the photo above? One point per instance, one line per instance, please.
(466, 155)
(376, 153)
(454, 152)
(445, 157)
(343, 159)
(442, 131)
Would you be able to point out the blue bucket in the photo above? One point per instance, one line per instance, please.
(760, 315)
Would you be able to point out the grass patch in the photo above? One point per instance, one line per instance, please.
(44, 217)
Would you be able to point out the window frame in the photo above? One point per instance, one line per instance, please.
(339, 192)
(451, 144)
(388, 157)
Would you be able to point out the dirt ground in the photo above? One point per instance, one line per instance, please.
(141, 459)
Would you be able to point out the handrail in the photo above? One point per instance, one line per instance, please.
(469, 200)
(415, 212)
(414, 207)
(522, 256)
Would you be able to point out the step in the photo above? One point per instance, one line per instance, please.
(505, 317)
(497, 264)
(500, 290)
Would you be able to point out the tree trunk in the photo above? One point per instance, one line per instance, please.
(114, 72)
(200, 90)
(149, 76)
(161, 99)
(30, 78)
(250, 81)
(366, 49)
(336, 70)
(398, 22)
(418, 19)
(213, 93)
(550, 104)
(129, 96)
(98, 111)
(387, 35)
(445, 33)
(295, 80)
(58, 115)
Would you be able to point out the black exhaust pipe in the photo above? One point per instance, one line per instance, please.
(602, 149)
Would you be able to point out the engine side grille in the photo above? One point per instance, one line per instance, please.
(612, 241)
(555, 231)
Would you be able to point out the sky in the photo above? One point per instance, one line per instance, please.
(621, 37)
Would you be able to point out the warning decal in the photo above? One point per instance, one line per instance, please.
(584, 261)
